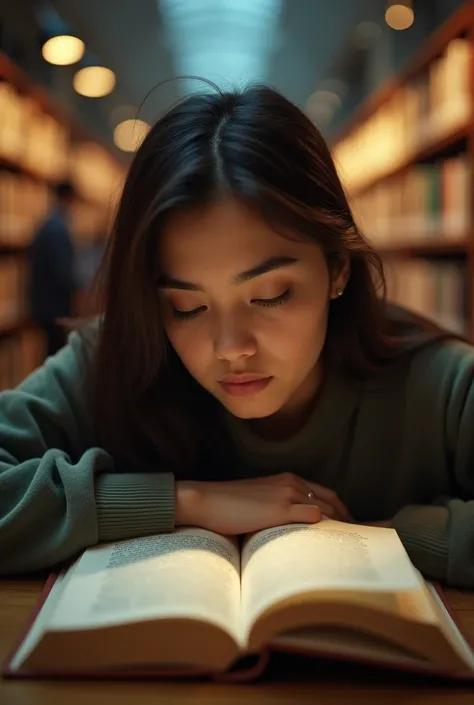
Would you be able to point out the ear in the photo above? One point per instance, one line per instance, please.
(339, 278)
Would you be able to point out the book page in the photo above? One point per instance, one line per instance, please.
(287, 560)
(189, 573)
(348, 643)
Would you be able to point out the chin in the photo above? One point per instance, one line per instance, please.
(251, 409)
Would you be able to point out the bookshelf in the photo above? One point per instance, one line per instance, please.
(40, 144)
(413, 198)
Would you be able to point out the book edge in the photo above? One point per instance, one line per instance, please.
(22, 673)
(405, 668)
(7, 671)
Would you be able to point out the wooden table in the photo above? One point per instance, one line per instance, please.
(319, 684)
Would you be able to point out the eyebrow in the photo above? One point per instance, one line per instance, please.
(269, 265)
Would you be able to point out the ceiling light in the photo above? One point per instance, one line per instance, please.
(322, 105)
(232, 43)
(326, 96)
(63, 50)
(320, 112)
(335, 85)
(94, 81)
(399, 15)
(129, 134)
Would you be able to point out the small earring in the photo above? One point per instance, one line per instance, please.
(339, 291)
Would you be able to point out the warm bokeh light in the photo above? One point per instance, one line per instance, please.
(322, 104)
(94, 81)
(63, 50)
(399, 16)
(326, 96)
(129, 134)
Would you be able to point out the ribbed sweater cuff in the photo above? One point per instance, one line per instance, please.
(423, 532)
(131, 505)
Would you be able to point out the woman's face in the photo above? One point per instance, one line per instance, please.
(245, 309)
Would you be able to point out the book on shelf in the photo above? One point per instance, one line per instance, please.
(436, 290)
(46, 147)
(95, 174)
(20, 354)
(13, 290)
(11, 122)
(428, 201)
(433, 105)
(197, 603)
(30, 137)
(24, 203)
(449, 90)
(24, 207)
(21, 346)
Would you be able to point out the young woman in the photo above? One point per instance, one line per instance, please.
(246, 371)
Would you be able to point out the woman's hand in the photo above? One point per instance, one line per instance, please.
(329, 503)
(242, 506)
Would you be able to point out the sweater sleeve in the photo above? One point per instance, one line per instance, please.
(58, 492)
(439, 538)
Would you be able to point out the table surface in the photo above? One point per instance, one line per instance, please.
(318, 685)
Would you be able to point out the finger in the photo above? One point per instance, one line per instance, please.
(305, 497)
(327, 509)
(304, 514)
(330, 497)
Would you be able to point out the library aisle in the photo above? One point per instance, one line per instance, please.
(40, 146)
(413, 196)
(405, 158)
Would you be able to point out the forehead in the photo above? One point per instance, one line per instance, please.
(225, 235)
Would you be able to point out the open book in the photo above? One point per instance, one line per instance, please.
(196, 602)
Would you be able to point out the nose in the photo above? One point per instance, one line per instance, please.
(234, 339)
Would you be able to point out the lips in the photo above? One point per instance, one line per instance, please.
(242, 378)
(244, 385)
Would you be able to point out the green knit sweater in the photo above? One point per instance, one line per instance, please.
(399, 447)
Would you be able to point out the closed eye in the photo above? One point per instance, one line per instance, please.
(180, 315)
(279, 300)
(276, 301)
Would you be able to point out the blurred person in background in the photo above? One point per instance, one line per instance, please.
(52, 274)
(88, 260)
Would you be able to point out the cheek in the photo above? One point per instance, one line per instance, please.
(299, 332)
(189, 344)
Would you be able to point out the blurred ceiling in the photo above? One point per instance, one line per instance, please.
(291, 44)
(324, 55)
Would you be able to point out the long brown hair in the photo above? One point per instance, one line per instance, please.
(257, 147)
